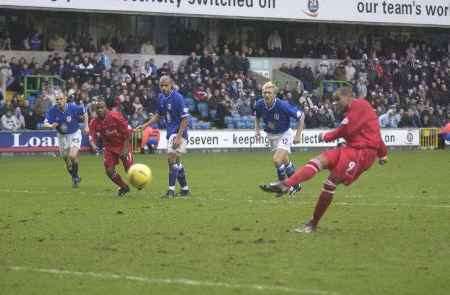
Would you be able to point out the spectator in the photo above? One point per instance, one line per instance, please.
(244, 108)
(137, 105)
(410, 119)
(137, 119)
(5, 42)
(147, 48)
(323, 67)
(20, 118)
(150, 139)
(6, 73)
(56, 43)
(206, 61)
(35, 41)
(193, 61)
(109, 50)
(236, 63)
(325, 120)
(85, 69)
(349, 71)
(42, 104)
(389, 120)
(245, 63)
(9, 121)
(274, 44)
(361, 87)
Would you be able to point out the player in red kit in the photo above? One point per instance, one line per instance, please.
(361, 131)
(115, 133)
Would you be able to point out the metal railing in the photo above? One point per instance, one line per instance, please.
(33, 84)
(429, 138)
(330, 86)
(136, 139)
(281, 79)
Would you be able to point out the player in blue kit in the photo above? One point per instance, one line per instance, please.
(175, 112)
(65, 118)
(276, 115)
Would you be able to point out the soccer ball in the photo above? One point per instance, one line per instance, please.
(139, 175)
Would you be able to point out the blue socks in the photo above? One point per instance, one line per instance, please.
(182, 176)
(285, 170)
(173, 175)
(176, 172)
(290, 169)
(281, 172)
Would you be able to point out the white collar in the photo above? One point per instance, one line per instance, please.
(272, 106)
(170, 94)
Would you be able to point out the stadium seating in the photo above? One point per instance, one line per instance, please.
(374, 77)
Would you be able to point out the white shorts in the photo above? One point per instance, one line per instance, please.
(282, 141)
(68, 141)
(180, 150)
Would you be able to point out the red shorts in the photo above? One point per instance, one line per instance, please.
(347, 163)
(111, 159)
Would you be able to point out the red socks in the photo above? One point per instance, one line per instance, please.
(324, 201)
(127, 161)
(117, 179)
(304, 173)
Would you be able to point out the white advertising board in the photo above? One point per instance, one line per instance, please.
(407, 12)
(242, 139)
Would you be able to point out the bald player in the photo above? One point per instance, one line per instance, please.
(173, 109)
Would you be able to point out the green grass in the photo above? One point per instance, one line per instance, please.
(389, 233)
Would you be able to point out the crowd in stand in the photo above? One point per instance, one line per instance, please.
(406, 83)
(214, 87)
(35, 41)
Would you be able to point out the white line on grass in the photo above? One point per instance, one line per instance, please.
(391, 205)
(110, 276)
(18, 191)
(268, 201)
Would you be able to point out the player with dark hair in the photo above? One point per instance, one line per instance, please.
(276, 115)
(176, 114)
(115, 134)
(65, 118)
(361, 131)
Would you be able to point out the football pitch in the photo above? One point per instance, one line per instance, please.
(389, 233)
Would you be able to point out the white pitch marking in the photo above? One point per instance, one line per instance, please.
(391, 205)
(181, 281)
(268, 201)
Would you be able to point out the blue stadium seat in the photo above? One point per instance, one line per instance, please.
(190, 103)
(31, 99)
(202, 108)
(213, 114)
(228, 120)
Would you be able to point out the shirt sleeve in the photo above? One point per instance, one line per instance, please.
(81, 110)
(182, 110)
(292, 111)
(382, 150)
(122, 125)
(78, 110)
(352, 122)
(50, 117)
(93, 131)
